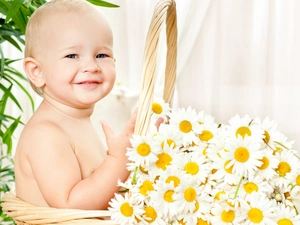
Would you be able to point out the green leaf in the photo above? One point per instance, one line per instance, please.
(7, 136)
(5, 187)
(8, 117)
(24, 90)
(2, 117)
(11, 70)
(9, 61)
(8, 94)
(4, 7)
(16, 4)
(103, 3)
(1, 63)
(9, 31)
(12, 41)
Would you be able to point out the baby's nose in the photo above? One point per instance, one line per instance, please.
(91, 66)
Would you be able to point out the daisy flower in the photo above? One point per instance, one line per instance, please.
(201, 212)
(166, 134)
(260, 211)
(187, 194)
(286, 169)
(140, 191)
(162, 199)
(172, 175)
(142, 151)
(205, 118)
(295, 184)
(254, 186)
(160, 108)
(194, 164)
(151, 216)
(244, 126)
(165, 158)
(282, 144)
(186, 122)
(221, 169)
(268, 166)
(286, 215)
(124, 211)
(225, 215)
(270, 130)
(244, 155)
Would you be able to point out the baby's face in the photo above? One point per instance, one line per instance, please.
(76, 58)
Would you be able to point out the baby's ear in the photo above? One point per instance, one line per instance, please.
(33, 70)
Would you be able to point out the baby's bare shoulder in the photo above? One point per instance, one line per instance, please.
(40, 135)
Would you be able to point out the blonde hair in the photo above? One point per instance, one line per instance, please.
(35, 23)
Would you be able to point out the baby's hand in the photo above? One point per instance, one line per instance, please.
(118, 144)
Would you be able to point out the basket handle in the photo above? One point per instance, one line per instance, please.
(165, 10)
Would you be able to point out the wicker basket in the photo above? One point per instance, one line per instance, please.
(25, 213)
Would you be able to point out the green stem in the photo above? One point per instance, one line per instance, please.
(133, 181)
(296, 210)
(281, 145)
(238, 187)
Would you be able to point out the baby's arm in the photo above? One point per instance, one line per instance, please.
(58, 173)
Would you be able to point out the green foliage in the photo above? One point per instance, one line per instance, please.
(14, 16)
(7, 178)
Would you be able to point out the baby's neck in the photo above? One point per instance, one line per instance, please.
(69, 111)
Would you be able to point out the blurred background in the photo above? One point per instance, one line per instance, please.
(234, 57)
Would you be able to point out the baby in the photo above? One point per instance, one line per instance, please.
(60, 161)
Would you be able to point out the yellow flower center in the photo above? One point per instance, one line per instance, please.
(231, 204)
(143, 170)
(197, 206)
(168, 196)
(169, 141)
(202, 222)
(143, 149)
(185, 126)
(163, 161)
(126, 209)
(228, 170)
(228, 216)
(243, 131)
(250, 187)
(190, 194)
(284, 221)
(267, 137)
(157, 108)
(206, 135)
(241, 154)
(298, 180)
(265, 163)
(176, 180)
(181, 222)
(255, 215)
(191, 168)
(218, 195)
(145, 187)
(283, 168)
(150, 214)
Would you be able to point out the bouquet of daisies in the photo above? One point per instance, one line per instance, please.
(192, 170)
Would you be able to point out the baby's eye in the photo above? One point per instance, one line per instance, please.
(72, 56)
(102, 56)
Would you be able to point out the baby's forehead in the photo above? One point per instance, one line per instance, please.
(67, 28)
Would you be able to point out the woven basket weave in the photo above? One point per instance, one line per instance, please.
(165, 11)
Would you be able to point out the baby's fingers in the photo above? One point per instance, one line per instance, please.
(159, 121)
(108, 131)
(129, 128)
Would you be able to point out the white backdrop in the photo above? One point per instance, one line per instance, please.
(234, 57)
